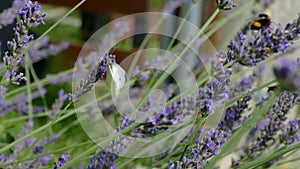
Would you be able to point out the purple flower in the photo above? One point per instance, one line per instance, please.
(291, 133)
(2, 158)
(61, 161)
(96, 74)
(215, 138)
(205, 148)
(266, 131)
(125, 122)
(271, 40)
(19, 103)
(58, 103)
(275, 122)
(288, 75)
(102, 65)
(225, 4)
(27, 127)
(29, 16)
(8, 15)
(217, 89)
(43, 49)
(246, 84)
(233, 115)
(104, 160)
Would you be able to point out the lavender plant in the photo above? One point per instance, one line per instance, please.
(230, 111)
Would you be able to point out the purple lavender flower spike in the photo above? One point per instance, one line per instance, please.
(246, 84)
(85, 63)
(291, 135)
(39, 162)
(61, 161)
(19, 103)
(125, 122)
(268, 128)
(205, 148)
(209, 145)
(96, 74)
(43, 49)
(8, 15)
(27, 127)
(16, 78)
(29, 16)
(277, 115)
(105, 160)
(272, 40)
(249, 53)
(2, 159)
(38, 148)
(58, 103)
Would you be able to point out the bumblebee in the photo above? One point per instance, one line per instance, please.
(145, 125)
(262, 21)
(272, 88)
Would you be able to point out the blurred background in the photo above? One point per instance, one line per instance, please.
(93, 14)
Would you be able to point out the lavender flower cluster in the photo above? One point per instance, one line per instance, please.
(253, 50)
(28, 16)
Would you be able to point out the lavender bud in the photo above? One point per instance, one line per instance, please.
(291, 134)
(58, 103)
(61, 161)
(225, 4)
(96, 74)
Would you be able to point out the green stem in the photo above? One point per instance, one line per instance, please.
(28, 86)
(54, 25)
(249, 93)
(37, 80)
(34, 132)
(38, 138)
(173, 64)
(142, 46)
(171, 43)
(11, 121)
(288, 161)
(274, 155)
